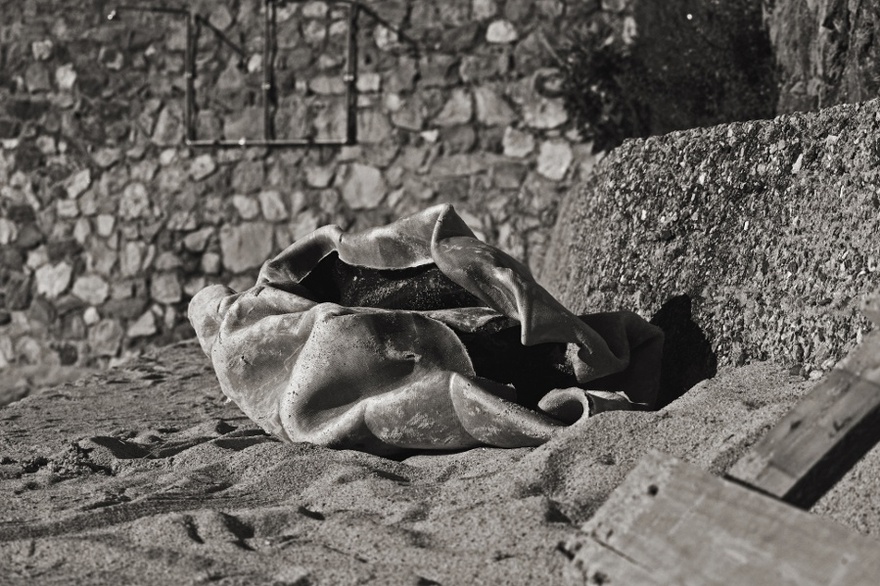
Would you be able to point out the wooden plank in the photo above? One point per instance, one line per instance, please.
(818, 441)
(671, 523)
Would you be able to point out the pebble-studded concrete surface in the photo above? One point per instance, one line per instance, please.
(770, 227)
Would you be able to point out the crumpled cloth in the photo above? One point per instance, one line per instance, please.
(389, 340)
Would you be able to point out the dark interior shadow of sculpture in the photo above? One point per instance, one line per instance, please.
(687, 353)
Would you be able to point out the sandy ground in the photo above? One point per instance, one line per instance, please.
(144, 475)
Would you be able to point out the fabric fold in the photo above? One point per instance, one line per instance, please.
(393, 368)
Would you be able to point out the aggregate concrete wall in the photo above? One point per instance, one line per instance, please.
(108, 225)
(768, 227)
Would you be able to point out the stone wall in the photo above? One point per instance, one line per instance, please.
(108, 225)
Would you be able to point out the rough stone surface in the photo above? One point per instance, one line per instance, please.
(501, 31)
(554, 158)
(78, 183)
(491, 108)
(246, 246)
(92, 289)
(768, 227)
(364, 187)
(458, 110)
(517, 143)
(135, 201)
(248, 207)
(202, 167)
(165, 288)
(53, 280)
(272, 206)
(105, 337)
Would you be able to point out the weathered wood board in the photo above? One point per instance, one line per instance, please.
(671, 523)
(810, 448)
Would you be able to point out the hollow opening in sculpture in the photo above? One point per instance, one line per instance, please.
(494, 348)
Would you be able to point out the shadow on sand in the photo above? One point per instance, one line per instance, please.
(687, 354)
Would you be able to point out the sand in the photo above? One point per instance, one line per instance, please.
(144, 475)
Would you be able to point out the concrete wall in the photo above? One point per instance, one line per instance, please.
(767, 228)
(108, 225)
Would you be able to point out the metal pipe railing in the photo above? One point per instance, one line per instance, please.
(193, 24)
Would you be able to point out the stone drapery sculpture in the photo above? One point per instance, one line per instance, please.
(416, 335)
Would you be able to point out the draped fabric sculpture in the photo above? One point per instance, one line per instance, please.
(417, 335)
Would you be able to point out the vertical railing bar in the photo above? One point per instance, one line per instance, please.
(189, 87)
(351, 75)
(268, 22)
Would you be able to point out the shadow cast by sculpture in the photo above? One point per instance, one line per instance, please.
(687, 353)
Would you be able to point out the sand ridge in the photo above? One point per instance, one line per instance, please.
(145, 475)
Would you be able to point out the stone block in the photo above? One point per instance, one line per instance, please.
(372, 126)
(483, 9)
(411, 114)
(492, 109)
(131, 257)
(517, 143)
(319, 176)
(331, 121)
(202, 167)
(221, 17)
(501, 32)
(458, 109)
(8, 231)
(460, 39)
(211, 263)
(518, 11)
(509, 175)
(458, 139)
(36, 78)
(106, 157)
(369, 82)
(481, 66)
(165, 287)
(197, 241)
(247, 207)
(245, 123)
(248, 176)
(92, 289)
(554, 158)
(328, 85)
(245, 246)
(65, 77)
(402, 77)
(438, 70)
(135, 202)
(272, 206)
(363, 187)
(166, 261)
(42, 50)
(53, 280)
(143, 327)
(82, 230)
(168, 129)
(105, 337)
(18, 290)
(76, 184)
(66, 208)
(531, 53)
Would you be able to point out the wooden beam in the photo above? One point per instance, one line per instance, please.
(670, 523)
(818, 441)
